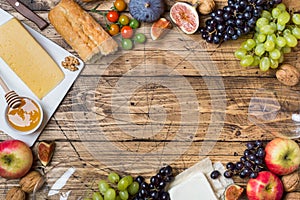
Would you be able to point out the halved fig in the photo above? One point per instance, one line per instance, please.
(159, 28)
(185, 17)
(233, 192)
(46, 151)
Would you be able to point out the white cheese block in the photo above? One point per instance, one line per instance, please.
(204, 167)
(195, 188)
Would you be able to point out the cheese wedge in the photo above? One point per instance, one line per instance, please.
(28, 59)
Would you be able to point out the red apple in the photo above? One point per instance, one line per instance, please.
(266, 186)
(15, 159)
(282, 156)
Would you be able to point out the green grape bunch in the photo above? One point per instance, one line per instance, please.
(127, 188)
(115, 188)
(276, 33)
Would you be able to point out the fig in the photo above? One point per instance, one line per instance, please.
(233, 192)
(185, 17)
(146, 10)
(159, 28)
(45, 152)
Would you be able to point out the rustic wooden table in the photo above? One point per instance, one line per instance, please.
(106, 122)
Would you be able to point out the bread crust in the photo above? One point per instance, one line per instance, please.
(81, 31)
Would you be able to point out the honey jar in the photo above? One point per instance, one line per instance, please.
(25, 118)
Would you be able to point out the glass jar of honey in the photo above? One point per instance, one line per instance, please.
(27, 117)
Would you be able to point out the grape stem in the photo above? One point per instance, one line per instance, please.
(94, 10)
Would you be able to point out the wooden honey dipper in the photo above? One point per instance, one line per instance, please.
(12, 98)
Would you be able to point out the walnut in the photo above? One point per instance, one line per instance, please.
(29, 181)
(291, 196)
(15, 193)
(70, 63)
(288, 75)
(205, 6)
(291, 181)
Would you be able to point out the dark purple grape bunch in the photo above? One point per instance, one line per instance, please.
(234, 20)
(250, 164)
(156, 189)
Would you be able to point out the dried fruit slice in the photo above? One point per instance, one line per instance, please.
(233, 192)
(45, 152)
(185, 17)
(159, 28)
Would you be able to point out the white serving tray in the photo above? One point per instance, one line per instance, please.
(50, 102)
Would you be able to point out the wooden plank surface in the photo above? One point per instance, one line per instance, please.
(102, 108)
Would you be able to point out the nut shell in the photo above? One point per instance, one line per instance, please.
(29, 181)
(291, 182)
(288, 75)
(291, 196)
(205, 7)
(15, 193)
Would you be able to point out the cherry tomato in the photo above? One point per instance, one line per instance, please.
(120, 5)
(127, 32)
(124, 20)
(114, 29)
(134, 23)
(112, 16)
(140, 38)
(127, 44)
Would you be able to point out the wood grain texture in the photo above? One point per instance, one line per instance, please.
(102, 109)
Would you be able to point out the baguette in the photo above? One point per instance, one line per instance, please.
(81, 31)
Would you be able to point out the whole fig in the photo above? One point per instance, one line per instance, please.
(146, 10)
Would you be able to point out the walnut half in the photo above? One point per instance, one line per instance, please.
(70, 63)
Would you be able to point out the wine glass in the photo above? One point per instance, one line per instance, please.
(73, 179)
(276, 109)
